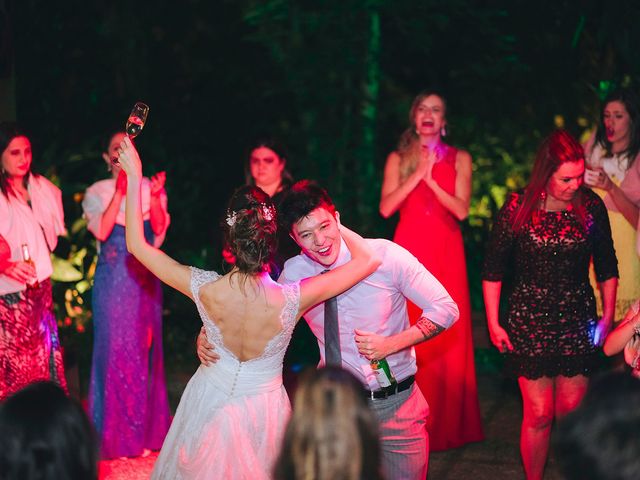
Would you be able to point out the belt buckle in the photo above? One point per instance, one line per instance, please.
(386, 392)
(383, 393)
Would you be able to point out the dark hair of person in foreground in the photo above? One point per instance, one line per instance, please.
(601, 439)
(45, 435)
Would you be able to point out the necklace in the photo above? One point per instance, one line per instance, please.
(559, 206)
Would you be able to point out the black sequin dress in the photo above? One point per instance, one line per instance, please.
(551, 315)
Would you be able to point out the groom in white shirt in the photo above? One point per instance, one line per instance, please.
(372, 322)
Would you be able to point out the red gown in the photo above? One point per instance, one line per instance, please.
(446, 369)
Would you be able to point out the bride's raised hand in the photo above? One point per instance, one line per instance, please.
(129, 159)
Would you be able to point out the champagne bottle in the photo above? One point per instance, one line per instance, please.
(383, 373)
(26, 256)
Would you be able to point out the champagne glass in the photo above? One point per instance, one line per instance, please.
(137, 119)
(135, 123)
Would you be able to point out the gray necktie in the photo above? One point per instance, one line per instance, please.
(331, 332)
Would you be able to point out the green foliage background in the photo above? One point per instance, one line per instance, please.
(332, 79)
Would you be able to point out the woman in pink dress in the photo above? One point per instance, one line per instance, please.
(429, 182)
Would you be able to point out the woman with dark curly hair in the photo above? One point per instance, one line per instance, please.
(232, 414)
(551, 333)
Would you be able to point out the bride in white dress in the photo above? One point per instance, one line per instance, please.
(232, 415)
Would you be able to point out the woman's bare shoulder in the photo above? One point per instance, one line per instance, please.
(463, 157)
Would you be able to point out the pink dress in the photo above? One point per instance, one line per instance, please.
(446, 369)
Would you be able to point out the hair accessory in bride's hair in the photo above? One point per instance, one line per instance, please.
(231, 217)
(268, 212)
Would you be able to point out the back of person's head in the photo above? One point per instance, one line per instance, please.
(250, 229)
(332, 434)
(600, 440)
(44, 435)
(302, 198)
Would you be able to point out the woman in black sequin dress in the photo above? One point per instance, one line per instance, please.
(548, 235)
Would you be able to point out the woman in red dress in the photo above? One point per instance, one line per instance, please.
(429, 182)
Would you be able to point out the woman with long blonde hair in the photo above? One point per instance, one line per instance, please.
(429, 183)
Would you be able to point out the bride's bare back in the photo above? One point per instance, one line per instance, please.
(248, 315)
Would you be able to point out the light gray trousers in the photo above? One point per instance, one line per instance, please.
(404, 440)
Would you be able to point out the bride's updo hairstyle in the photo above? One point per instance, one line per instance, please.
(250, 229)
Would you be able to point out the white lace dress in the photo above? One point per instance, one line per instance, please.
(232, 414)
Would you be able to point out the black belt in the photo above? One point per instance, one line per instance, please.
(391, 389)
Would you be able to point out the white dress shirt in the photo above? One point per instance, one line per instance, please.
(377, 304)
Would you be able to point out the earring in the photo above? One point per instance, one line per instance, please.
(443, 131)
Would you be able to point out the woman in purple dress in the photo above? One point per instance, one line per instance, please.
(127, 395)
